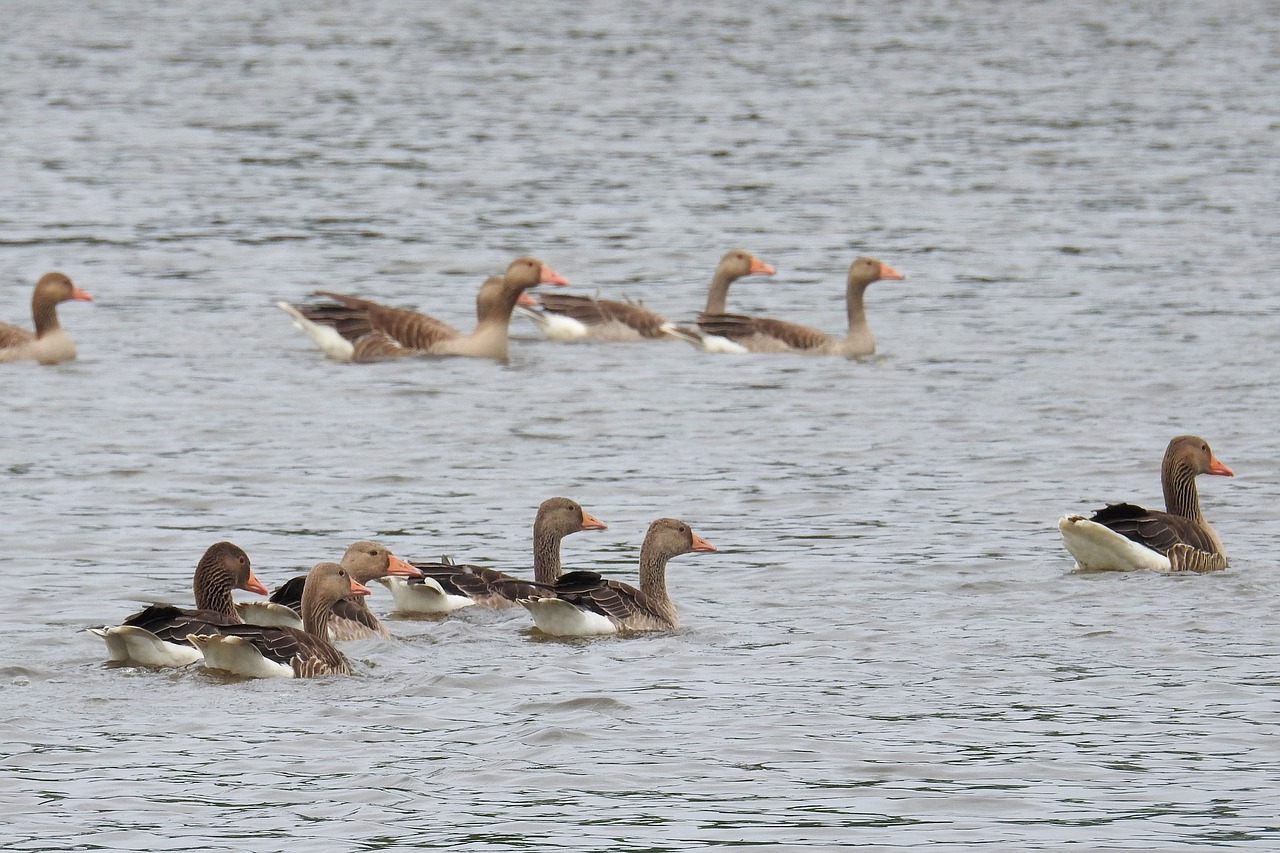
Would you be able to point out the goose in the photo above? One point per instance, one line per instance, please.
(156, 636)
(762, 334)
(352, 329)
(447, 586)
(1124, 536)
(614, 320)
(49, 343)
(352, 618)
(268, 651)
(584, 604)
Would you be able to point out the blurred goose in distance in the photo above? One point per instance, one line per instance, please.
(571, 316)
(764, 334)
(49, 343)
(360, 330)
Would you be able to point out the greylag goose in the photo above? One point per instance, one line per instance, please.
(1123, 536)
(352, 619)
(447, 586)
(49, 343)
(614, 320)
(360, 330)
(762, 334)
(156, 636)
(264, 651)
(583, 604)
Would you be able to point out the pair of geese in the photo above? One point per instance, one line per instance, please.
(350, 328)
(293, 634)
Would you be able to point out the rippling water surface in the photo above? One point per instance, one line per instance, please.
(889, 650)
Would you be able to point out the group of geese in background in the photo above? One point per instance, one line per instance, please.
(292, 634)
(349, 328)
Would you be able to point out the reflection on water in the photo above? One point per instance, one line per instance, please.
(889, 650)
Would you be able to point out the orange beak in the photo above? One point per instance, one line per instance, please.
(82, 295)
(759, 266)
(402, 568)
(1216, 467)
(358, 588)
(887, 271)
(590, 522)
(550, 276)
(700, 544)
(255, 585)
(526, 299)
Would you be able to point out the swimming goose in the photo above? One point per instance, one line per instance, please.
(156, 636)
(614, 320)
(352, 619)
(49, 343)
(448, 586)
(583, 604)
(361, 330)
(262, 651)
(763, 334)
(1123, 536)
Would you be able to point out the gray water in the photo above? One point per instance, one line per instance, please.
(890, 648)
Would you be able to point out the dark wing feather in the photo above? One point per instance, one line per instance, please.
(477, 582)
(354, 318)
(12, 336)
(173, 624)
(740, 326)
(597, 312)
(289, 593)
(277, 644)
(1159, 531)
(590, 591)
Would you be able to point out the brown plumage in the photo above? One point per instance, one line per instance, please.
(583, 603)
(49, 343)
(556, 519)
(763, 334)
(352, 619)
(1180, 533)
(373, 331)
(611, 319)
(156, 635)
(287, 651)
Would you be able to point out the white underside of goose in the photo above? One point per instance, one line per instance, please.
(268, 613)
(424, 597)
(1098, 548)
(55, 347)
(332, 344)
(237, 656)
(559, 618)
(554, 327)
(703, 341)
(128, 644)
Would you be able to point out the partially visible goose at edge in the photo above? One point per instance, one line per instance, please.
(763, 334)
(448, 586)
(584, 604)
(1124, 536)
(49, 343)
(361, 330)
(263, 651)
(352, 619)
(157, 635)
(571, 316)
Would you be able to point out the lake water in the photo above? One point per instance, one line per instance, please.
(890, 648)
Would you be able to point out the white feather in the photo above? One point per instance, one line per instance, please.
(327, 338)
(1098, 548)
